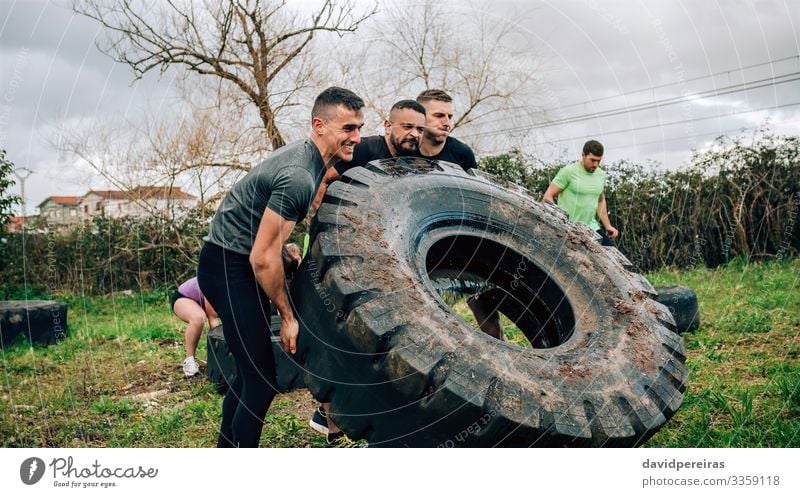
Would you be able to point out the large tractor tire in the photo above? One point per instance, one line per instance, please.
(682, 303)
(40, 322)
(401, 368)
(221, 369)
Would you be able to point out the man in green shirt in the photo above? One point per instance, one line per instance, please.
(579, 190)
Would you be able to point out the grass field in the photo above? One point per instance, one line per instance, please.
(117, 380)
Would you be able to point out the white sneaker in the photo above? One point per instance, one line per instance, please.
(190, 367)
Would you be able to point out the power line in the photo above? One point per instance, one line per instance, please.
(679, 138)
(750, 85)
(660, 125)
(683, 81)
(665, 85)
(717, 133)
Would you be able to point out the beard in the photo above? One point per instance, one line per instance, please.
(405, 148)
(436, 138)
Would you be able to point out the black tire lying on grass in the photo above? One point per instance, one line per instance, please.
(221, 368)
(682, 303)
(402, 369)
(41, 322)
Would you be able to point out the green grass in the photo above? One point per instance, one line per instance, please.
(116, 381)
(744, 365)
(513, 334)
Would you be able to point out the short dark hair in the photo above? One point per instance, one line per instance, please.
(434, 94)
(332, 97)
(593, 147)
(408, 104)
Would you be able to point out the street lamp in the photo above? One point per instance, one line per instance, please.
(22, 177)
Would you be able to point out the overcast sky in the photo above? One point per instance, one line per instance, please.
(727, 65)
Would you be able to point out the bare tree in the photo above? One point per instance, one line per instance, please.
(208, 146)
(198, 143)
(255, 45)
(487, 62)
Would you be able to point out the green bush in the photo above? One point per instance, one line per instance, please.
(101, 257)
(735, 201)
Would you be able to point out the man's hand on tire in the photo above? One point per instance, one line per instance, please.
(289, 332)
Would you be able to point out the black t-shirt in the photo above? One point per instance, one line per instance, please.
(457, 152)
(371, 148)
(375, 148)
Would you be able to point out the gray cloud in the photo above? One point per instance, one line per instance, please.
(596, 50)
(594, 53)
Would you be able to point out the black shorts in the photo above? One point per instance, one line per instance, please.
(175, 296)
(606, 241)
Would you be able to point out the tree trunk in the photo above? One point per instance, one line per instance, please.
(270, 128)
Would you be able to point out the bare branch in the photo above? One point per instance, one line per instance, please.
(248, 43)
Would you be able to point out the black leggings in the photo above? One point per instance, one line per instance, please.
(228, 282)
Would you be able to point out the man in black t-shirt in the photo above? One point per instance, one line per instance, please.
(437, 144)
(403, 133)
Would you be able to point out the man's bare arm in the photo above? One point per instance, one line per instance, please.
(602, 213)
(552, 192)
(331, 175)
(267, 263)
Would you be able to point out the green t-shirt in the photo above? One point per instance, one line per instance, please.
(582, 190)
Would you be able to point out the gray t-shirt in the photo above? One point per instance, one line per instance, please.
(285, 183)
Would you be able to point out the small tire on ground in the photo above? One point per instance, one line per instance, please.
(682, 303)
(40, 322)
(221, 368)
(401, 368)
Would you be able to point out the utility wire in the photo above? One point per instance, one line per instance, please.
(683, 81)
(750, 85)
(671, 123)
(666, 85)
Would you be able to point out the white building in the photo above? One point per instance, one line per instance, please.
(140, 202)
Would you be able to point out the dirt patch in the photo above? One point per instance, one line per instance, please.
(639, 348)
(637, 330)
(623, 308)
(637, 295)
(570, 372)
(147, 396)
(297, 402)
(351, 217)
(169, 343)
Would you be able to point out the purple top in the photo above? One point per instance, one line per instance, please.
(191, 289)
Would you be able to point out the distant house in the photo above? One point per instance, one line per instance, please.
(164, 199)
(15, 223)
(140, 202)
(60, 210)
(103, 203)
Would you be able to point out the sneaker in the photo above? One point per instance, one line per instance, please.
(342, 441)
(319, 421)
(190, 367)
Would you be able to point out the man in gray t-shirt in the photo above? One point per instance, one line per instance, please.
(240, 270)
(284, 183)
